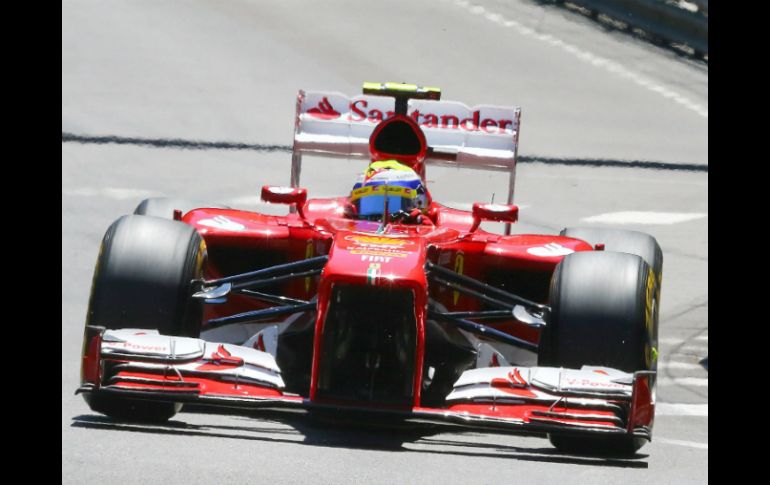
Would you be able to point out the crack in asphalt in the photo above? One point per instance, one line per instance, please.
(688, 309)
(688, 340)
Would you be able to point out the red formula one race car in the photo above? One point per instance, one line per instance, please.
(383, 302)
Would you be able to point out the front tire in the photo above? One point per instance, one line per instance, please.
(143, 279)
(630, 242)
(603, 313)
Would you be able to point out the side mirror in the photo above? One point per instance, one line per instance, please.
(493, 212)
(276, 194)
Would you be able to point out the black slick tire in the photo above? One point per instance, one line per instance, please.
(143, 279)
(603, 314)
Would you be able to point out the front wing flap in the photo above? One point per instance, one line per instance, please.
(141, 364)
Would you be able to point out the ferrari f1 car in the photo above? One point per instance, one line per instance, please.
(418, 315)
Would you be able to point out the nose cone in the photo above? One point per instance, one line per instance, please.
(371, 259)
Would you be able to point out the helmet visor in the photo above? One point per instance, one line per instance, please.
(370, 200)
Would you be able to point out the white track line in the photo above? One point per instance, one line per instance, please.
(693, 349)
(676, 409)
(117, 193)
(467, 206)
(690, 444)
(684, 381)
(667, 364)
(678, 341)
(246, 200)
(596, 61)
(640, 217)
(670, 341)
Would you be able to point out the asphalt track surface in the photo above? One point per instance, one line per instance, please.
(228, 72)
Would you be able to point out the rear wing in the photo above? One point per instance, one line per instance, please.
(480, 137)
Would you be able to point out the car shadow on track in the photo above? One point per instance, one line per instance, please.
(307, 430)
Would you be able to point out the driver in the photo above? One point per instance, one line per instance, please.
(406, 196)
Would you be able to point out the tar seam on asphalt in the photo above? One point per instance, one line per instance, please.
(224, 145)
(172, 143)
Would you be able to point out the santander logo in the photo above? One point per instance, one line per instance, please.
(358, 111)
(324, 111)
(221, 359)
(513, 383)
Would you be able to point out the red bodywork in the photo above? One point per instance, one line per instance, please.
(401, 251)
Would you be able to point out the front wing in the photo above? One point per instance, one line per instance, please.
(141, 364)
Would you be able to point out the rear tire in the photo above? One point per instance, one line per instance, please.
(164, 206)
(603, 313)
(621, 241)
(143, 279)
